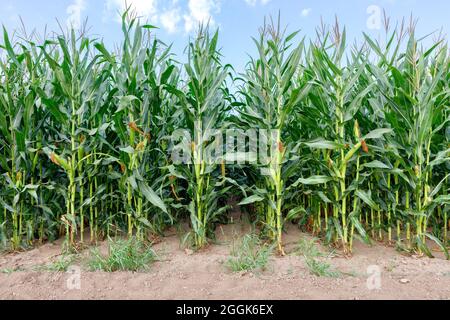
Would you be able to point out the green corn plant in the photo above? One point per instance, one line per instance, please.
(203, 106)
(271, 93)
(415, 94)
(138, 81)
(96, 189)
(21, 126)
(353, 141)
(73, 82)
(337, 98)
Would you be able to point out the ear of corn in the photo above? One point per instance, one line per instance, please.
(356, 138)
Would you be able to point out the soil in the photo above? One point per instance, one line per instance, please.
(183, 274)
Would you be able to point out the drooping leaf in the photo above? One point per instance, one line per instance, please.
(367, 198)
(250, 200)
(151, 196)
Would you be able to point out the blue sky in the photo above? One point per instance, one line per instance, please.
(238, 20)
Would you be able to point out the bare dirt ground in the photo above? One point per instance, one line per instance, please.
(181, 274)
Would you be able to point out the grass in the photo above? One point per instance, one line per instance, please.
(123, 255)
(309, 248)
(11, 270)
(249, 255)
(321, 269)
(7, 270)
(60, 265)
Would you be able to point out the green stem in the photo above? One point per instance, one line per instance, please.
(408, 225)
(445, 227)
(389, 210)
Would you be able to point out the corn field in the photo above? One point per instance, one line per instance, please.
(361, 149)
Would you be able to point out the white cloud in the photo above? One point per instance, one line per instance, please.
(200, 11)
(74, 11)
(143, 8)
(169, 20)
(168, 14)
(255, 2)
(306, 12)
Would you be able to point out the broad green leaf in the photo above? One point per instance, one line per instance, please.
(377, 134)
(294, 213)
(440, 244)
(250, 200)
(376, 164)
(323, 144)
(314, 180)
(128, 150)
(367, 198)
(360, 228)
(151, 196)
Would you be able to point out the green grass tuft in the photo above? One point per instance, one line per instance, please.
(321, 269)
(250, 255)
(309, 248)
(124, 255)
(60, 265)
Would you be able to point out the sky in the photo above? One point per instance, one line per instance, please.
(237, 20)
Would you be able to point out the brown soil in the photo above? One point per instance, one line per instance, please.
(181, 274)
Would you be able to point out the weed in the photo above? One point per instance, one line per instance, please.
(124, 255)
(60, 265)
(250, 255)
(321, 269)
